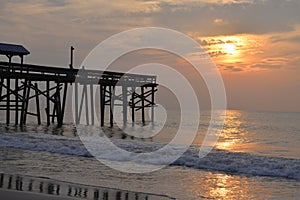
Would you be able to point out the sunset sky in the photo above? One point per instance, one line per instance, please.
(254, 43)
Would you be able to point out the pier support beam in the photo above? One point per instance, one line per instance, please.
(133, 106)
(143, 104)
(8, 91)
(76, 103)
(153, 105)
(92, 104)
(111, 104)
(48, 102)
(17, 101)
(102, 103)
(125, 104)
(37, 102)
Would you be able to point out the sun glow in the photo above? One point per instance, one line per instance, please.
(229, 48)
(233, 53)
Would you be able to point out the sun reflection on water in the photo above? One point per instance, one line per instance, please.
(234, 134)
(222, 186)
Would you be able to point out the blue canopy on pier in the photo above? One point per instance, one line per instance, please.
(13, 50)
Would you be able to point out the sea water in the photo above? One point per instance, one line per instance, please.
(257, 156)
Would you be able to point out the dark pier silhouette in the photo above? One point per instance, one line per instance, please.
(46, 87)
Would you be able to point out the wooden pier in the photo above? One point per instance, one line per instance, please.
(23, 86)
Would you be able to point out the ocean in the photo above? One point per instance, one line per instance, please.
(257, 156)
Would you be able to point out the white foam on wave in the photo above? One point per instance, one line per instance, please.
(39, 142)
(231, 162)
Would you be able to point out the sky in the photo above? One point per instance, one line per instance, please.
(254, 43)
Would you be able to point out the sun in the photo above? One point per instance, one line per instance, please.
(229, 48)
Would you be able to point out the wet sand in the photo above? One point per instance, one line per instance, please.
(11, 194)
(32, 188)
